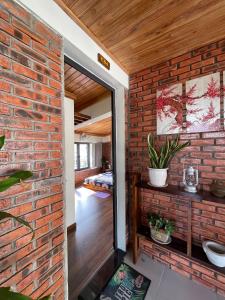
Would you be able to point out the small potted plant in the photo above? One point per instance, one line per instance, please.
(161, 228)
(160, 157)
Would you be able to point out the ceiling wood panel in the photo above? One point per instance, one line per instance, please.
(80, 118)
(99, 128)
(81, 88)
(140, 33)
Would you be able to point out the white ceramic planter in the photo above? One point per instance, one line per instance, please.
(159, 235)
(157, 177)
(215, 253)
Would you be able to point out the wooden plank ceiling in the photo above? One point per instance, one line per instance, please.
(80, 118)
(81, 88)
(140, 33)
(99, 128)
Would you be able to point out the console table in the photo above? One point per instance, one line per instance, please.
(183, 256)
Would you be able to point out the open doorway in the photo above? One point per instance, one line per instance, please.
(94, 165)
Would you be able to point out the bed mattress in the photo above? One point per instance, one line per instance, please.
(104, 180)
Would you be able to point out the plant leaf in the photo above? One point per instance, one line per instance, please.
(6, 215)
(6, 294)
(14, 179)
(45, 298)
(2, 141)
(7, 183)
(22, 175)
(161, 159)
(153, 155)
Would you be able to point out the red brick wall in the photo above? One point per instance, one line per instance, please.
(190, 268)
(107, 151)
(207, 149)
(31, 118)
(208, 218)
(81, 175)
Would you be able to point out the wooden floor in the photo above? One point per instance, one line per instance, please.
(99, 281)
(92, 243)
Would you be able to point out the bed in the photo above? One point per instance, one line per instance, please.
(100, 182)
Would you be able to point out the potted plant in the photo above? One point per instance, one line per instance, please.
(160, 157)
(14, 178)
(160, 228)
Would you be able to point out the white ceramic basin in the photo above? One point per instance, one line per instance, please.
(215, 253)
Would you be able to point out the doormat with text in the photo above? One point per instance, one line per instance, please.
(125, 284)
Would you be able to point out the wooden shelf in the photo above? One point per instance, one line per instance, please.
(177, 245)
(180, 247)
(185, 248)
(178, 191)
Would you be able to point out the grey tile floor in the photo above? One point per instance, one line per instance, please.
(167, 284)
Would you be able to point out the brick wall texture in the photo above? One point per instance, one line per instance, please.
(208, 218)
(214, 280)
(206, 150)
(107, 151)
(31, 119)
(207, 222)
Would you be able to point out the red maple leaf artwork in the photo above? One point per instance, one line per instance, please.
(188, 124)
(203, 103)
(169, 109)
(213, 90)
(194, 111)
(165, 96)
(211, 113)
(189, 98)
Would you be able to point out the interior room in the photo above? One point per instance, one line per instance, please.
(93, 185)
(112, 139)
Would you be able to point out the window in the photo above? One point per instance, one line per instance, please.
(81, 156)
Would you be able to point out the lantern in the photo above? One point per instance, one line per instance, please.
(190, 179)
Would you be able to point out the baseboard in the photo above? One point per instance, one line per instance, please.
(72, 227)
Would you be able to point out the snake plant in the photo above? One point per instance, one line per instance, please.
(5, 184)
(160, 156)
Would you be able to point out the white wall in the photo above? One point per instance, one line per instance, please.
(120, 167)
(86, 138)
(68, 106)
(99, 108)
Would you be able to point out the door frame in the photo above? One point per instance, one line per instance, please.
(84, 71)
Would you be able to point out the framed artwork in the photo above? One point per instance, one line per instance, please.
(169, 109)
(203, 103)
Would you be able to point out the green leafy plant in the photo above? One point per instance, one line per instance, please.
(152, 218)
(160, 223)
(5, 215)
(169, 227)
(160, 156)
(6, 294)
(11, 180)
(14, 178)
